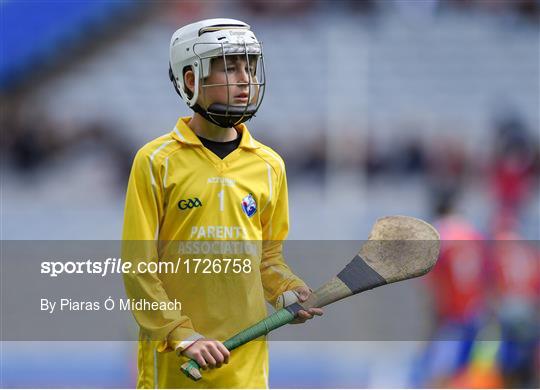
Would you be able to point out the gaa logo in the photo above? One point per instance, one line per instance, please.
(189, 203)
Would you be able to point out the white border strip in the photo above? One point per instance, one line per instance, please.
(158, 149)
(177, 132)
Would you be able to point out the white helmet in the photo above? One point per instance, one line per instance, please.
(193, 46)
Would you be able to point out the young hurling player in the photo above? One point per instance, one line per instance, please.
(209, 179)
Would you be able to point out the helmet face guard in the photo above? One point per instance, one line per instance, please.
(227, 114)
(197, 47)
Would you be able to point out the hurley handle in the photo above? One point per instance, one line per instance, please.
(261, 328)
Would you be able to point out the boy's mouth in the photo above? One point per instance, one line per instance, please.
(241, 97)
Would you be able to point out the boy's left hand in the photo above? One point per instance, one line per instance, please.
(304, 315)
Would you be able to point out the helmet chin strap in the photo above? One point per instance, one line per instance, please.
(224, 115)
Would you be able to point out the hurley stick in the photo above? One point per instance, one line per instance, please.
(398, 248)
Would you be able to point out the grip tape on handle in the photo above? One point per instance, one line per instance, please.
(261, 328)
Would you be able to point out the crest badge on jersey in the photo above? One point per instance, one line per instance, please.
(249, 205)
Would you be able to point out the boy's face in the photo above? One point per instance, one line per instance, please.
(237, 74)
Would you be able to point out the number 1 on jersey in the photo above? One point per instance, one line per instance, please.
(221, 196)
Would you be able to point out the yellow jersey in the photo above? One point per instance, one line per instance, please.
(181, 194)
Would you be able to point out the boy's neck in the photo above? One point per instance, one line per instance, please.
(210, 131)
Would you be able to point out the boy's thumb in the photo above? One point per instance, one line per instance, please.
(302, 294)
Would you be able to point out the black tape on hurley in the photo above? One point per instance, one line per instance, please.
(358, 276)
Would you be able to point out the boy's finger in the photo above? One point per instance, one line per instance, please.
(224, 351)
(209, 358)
(216, 354)
(200, 360)
(317, 312)
(304, 314)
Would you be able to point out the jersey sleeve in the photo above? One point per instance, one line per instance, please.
(276, 275)
(143, 212)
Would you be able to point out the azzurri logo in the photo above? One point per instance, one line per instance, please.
(189, 203)
(249, 205)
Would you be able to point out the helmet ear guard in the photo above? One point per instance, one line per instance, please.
(173, 80)
(179, 88)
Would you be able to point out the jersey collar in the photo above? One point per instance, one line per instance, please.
(183, 133)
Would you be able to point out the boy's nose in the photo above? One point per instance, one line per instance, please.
(243, 76)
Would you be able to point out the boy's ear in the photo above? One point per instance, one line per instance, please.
(189, 80)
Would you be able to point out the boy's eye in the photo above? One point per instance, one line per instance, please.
(232, 68)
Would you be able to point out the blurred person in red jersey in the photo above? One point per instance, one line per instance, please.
(458, 285)
(458, 282)
(512, 167)
(516, 285)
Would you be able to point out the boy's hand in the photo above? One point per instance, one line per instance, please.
(208, 353)
(303, 315)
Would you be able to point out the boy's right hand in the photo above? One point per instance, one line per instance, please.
(207, 353)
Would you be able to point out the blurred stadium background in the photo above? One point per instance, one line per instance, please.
(378, 107)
